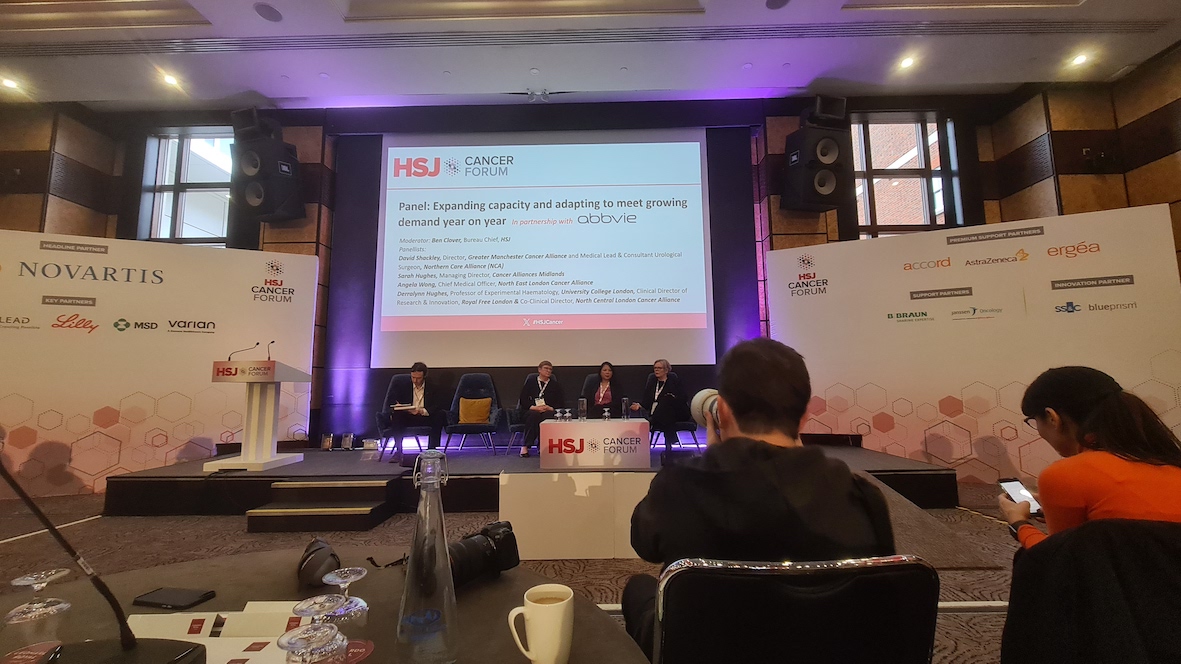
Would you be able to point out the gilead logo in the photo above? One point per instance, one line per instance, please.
(416, 167)
(566, 446)
(927, 265)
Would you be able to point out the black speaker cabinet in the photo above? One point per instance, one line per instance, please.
(818, 171)
(265, 184)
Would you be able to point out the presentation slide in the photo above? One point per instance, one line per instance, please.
(574, 244)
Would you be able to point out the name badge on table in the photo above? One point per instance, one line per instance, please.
(539, 402)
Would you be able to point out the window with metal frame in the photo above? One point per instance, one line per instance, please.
(907, 179)
(191, 194)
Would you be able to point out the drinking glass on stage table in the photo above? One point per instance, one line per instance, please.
(318, 607)
(37, 620)
(607, 413)
(355, 608)
(314, 644)
(582, 410)
(625, 403)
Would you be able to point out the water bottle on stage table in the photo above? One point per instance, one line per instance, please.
(626, 404)
(427, 630)
(582, 410)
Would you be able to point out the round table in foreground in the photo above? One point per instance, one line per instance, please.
(270, 575)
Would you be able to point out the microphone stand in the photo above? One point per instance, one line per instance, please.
(155, 651)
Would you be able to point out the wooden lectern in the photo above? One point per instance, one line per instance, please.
(259, 433)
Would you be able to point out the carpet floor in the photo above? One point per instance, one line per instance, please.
(973, 553)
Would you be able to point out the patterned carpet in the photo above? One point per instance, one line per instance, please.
(115, 544)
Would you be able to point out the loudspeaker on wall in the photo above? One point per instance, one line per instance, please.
(265, 182)
(818, 171)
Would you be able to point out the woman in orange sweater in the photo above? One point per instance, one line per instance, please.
(1120, 461)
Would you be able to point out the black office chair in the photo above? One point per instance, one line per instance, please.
(473, 386)
(384, 423)
(516, 420)
(686, 425)
(879, 610)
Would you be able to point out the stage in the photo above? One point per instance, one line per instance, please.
(356, 487)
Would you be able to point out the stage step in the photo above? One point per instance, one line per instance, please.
(280, 517)
(331, 490)
(280, 446)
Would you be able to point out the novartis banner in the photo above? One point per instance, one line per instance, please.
(107, 349)
(924, 343)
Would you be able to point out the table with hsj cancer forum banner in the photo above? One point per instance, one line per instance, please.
(592, 474)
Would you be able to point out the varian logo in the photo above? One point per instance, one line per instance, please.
(1068, 308)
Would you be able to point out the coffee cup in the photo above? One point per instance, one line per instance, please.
(549, 623)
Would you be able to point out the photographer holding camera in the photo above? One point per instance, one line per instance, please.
(756, 494)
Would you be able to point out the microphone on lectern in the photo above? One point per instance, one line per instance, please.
(128, 649)
(256, 345)
(269, 350)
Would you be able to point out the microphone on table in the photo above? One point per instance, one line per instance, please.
(127, 650)
(256, 345)
(269, 350)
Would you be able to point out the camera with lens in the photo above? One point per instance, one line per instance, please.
(703, 401)
(484, 554)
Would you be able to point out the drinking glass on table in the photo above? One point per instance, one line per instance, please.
(37, 620)
(354, 607)
(318, 643)
(317, 608)
(582, 410)
(624, 404)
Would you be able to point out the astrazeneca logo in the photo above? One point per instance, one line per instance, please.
(806, 262)
(1021, 255)
(274, 268)
(1068, 308)
(927, 265)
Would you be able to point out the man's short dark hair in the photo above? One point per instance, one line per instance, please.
(545, 363)
(418, 366)
(766, 385)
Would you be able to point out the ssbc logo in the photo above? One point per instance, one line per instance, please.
(1068, 308)
(927, 265)
(416, 167)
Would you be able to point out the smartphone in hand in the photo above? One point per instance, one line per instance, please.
(1018, 493)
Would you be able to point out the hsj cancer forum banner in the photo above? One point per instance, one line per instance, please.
(925, 343)
(106, 348)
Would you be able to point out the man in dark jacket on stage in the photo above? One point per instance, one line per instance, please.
(756, 494)
(422, 405)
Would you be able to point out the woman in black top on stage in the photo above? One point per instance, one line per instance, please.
(604, 394)
(538, 400)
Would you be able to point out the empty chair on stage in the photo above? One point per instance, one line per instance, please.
(474, 409)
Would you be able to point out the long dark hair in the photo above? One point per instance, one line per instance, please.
(611, 381)
(1109, 419)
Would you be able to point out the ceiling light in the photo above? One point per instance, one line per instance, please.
(267, 12)
(324, 74)
(9, 83)
(1079, 59)
(906, 63)
(747, 66)
(535, 71)
(170, 79)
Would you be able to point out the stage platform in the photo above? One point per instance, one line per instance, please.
(185, 488)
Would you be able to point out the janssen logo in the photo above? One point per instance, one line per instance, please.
(927, 265)
(975, 313)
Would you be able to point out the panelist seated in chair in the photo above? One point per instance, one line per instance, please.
(756, 494)
(665, 401)
(602, 394)
(540, 395)
(427, 408)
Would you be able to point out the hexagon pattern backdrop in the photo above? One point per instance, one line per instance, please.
(109, 346)
(925, 344)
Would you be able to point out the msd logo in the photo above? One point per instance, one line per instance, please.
(566, 446)
(417, 167)
(225, 371)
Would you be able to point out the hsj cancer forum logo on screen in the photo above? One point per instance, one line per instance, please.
(479, 166)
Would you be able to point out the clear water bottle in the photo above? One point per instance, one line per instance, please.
(427, 630)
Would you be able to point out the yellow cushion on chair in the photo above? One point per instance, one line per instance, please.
(474, 411)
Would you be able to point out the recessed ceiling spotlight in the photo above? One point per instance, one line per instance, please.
(786, 64)
(535, 71)
(9, 83)
(268, 12)
(324, 74)
(284, 77)
(170, 79)
(623, 69)
(906, 63)
(1079, 59)
(446, 72)
(777, 4)
(747, 66)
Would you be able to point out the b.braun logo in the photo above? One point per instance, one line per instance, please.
(416, 167)
(1068, 308)
(566, 446)
(225, 371)
(927, 265)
